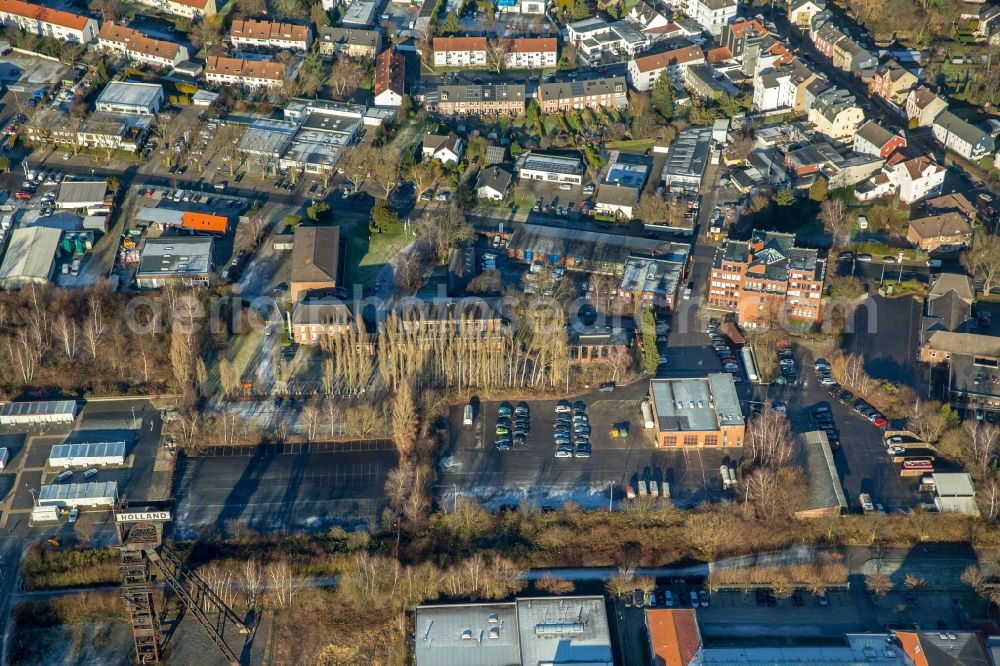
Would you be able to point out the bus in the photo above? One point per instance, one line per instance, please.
(918, 463)
(749, 364)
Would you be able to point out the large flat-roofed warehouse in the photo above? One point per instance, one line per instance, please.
(687, 159)
(75, 194)
(31, 413)
(87, 454)
(697, 411)
(175, 260)
(30, 257)
(550, 630)
(103, 493)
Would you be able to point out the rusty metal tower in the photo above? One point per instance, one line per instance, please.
(140, 535)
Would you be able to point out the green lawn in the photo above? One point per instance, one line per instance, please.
(638, 145)
(367, 253)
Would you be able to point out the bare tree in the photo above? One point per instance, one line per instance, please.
(357, 164)
(878, 584)
(555, 586)
(768, 439)
(988, 494)
(833, 215)
(496, 53)
(67, 332)
(253, 583)
(385, 172)
(983, 258)
(980, 441)
(654, 209)
(282, 583)
(404, 421)
(343, 78)
(620, 583)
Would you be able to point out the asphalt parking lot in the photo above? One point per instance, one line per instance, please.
(288, 488)
(862, 461)
(473, 466)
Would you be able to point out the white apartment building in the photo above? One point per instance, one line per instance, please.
(918, 178)
(460, 52)
(532, 53)
(191, 9)
(249, 73)
(644, 71)
(712, 14)
(140, 48)
(51, 23)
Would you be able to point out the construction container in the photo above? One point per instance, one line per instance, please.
(643, 491)
(614, 432)
(623, 430)
(666, 489)
(654, 488)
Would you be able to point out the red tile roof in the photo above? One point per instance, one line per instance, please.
(674, 638)
(459, 43)
(137, 42)
(675, 57)
(289, 32)
(390, 72)
(718, 54)
(44, 14)
(250, 69)
(534, 45)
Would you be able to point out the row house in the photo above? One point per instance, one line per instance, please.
(948, 230)
(873, 139)
(826, 37)
(484, 100)
(532, 53)
(801, 12)
(767, 88)
(460, 52)
(768, 280)
(849, 56)
(267, 35)
(390, 78)
(248, 73)
(46, 22)
(792, 91)
(643, 72)
(610, 93)
(351, 42)
(137, 47)
(892, 83)
(923, 106)
(836, 114)
(191, 9)
(962, 137)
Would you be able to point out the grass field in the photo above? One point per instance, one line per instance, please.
(367, 253)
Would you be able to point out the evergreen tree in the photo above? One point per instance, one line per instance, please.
(819, 190)
(663, 96)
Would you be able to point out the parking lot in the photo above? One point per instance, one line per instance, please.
(862, 461)
(283, 488)
(472, 465)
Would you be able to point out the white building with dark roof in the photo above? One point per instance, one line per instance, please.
(185, 260)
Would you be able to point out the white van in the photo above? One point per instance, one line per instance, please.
(467, 417)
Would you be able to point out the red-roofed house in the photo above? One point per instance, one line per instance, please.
(268, 35)
(46, 22)
(390, 78)
(140, 48)
(249, 73)
(674, 637)
(459, 51)
(644, 71)
(532, 53)
(191, 9)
